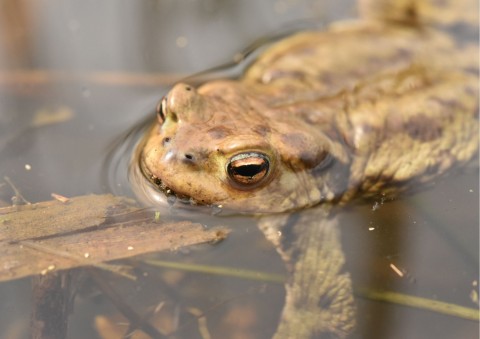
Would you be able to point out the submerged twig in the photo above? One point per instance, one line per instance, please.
(219, 270)
(202, 322)
(52, 304)
(420, 303)
(203, 314)
(390, 297)
(134, 318)
(18, 198)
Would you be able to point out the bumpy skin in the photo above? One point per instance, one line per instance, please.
(377, 106)
(363, 108)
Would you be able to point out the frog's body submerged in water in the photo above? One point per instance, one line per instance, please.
(373, 107)
(320, 116)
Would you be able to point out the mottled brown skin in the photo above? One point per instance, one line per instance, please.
(363, 108)
(371, 107)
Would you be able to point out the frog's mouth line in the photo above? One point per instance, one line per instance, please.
(171, 196)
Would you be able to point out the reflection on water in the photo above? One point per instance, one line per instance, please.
(106, 63)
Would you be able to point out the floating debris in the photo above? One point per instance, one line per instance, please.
(60, 198)
(474, 296)
(474, 292)
(396, 270)
(181, 41)
(216, 209)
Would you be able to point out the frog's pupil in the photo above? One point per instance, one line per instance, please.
(248, 168)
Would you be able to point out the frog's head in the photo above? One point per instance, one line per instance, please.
(220, 145)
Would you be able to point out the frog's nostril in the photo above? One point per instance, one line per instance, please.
(165, 141)
(188, 156)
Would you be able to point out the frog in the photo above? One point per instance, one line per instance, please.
(380, 105)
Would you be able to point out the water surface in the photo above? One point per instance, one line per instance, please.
(100, 69)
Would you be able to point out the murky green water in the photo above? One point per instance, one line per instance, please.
(99, 68)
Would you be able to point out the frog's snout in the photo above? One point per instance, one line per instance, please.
(176, 155)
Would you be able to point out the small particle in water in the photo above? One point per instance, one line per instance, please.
(470, 190)
(60, 198)
(474, 283)
(86, 255)
(28, 167)
(181, 41)
(375, 206)
(371, 228)
(474, 296)
(396, 270)
(130, 248)
(159, 307)
(414, 221)
(157, 216)
(216, 209)
(51, 267)
(279, 233)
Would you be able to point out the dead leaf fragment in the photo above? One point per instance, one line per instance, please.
(88, 230)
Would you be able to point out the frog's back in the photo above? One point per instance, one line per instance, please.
(401, 94)
(376, 106)
(394, 37)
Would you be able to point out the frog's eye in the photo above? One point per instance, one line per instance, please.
(161, 110)
(248, 169)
